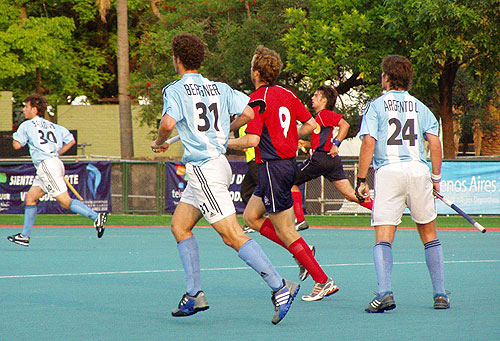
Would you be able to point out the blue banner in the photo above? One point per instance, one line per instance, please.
(92, 180)
(472, 186)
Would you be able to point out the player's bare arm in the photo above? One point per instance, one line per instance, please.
(167, 124)
(246, 141)
(66, 147)
(343, 129)
(365, 159)
(436, 159)
(16, 144)
(247, 115)
(307, 128)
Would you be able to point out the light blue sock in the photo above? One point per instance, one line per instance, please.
(435, 261)
(254, 256)
(29, 219)
(80, 208)
(190, 258)
(382, 258)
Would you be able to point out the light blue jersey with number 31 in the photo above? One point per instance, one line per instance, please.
(398, 122)
(44, 138)
(202, 109)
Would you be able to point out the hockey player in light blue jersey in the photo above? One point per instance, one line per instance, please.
(201, 110)
(46, 141)
(393, 130)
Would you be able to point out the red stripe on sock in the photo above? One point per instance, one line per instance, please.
(300, 250)
(268, 231)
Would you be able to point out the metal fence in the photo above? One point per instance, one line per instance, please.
(139, 187)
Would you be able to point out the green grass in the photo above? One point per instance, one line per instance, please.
(165, 220)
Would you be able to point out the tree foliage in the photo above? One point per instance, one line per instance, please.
(43, 48)
(345, 41)
(232, 30)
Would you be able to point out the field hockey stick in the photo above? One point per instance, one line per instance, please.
(70, 186)
(459, 211)
(170, 141)
(174, 139)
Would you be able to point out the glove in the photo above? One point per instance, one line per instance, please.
(360, 189)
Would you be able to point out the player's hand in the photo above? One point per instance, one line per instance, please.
(334, 151)
(159, 148)
(362, 190)
(436, 187)
(302, 146)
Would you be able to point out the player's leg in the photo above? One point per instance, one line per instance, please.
(423, 211)
(51, 173)
(78, 207)
(301, 223)
(247, 188)
(344, 187)
(334, 171)
(254, 214)
(217, 207)
(249, 182)
(435, 263)
(307, 171)
(248, 250)
(30, 212)
(184, 219)
(283, 291)
(388, 206)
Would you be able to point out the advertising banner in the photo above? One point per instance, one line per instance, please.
(472, 186)
(92, 180)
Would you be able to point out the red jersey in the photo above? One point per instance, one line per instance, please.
(321, 137)
(277, 126)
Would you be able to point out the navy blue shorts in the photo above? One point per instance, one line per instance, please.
(275, 181)
(318, 164)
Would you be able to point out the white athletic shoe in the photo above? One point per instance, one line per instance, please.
(321, 290)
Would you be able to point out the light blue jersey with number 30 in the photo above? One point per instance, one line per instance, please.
(44, 138)
(202, 109)
(398, 122)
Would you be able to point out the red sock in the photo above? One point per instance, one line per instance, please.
(268, 231)
(301, 251)
(368, 204)
(297, 206)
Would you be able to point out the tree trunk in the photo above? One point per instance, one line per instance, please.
(445, 107)
(126, 142)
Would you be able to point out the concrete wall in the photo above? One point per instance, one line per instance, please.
(99, 125)
(5, 110)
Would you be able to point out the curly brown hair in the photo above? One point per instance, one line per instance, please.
(268, 63)
(330, 94)
(399, 70)
(37, 101)
(190, 49)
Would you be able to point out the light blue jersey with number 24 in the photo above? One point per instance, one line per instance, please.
(398, 122)
(44, 138)
(202, 109)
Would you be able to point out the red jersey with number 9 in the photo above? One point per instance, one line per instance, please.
(321, 137)
(277, 126)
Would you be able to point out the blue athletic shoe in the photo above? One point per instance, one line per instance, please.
(190, 305)
(283, 298)
(441, 301)
(381, 303)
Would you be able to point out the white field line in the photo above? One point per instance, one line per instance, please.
(225, 269)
